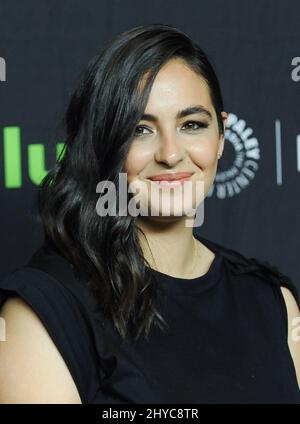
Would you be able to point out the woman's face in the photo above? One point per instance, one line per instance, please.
(168, 141)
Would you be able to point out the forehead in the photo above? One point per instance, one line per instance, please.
(177, 86)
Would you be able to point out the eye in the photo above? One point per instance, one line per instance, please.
(195, 125)
(138, 133)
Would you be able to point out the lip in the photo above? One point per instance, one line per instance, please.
(172, 176)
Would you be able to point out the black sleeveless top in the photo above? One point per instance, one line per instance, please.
(226, 341)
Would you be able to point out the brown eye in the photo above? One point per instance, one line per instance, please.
(140, 133)
(195, 125)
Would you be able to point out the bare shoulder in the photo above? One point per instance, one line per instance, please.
(293, 328)
(31, 368)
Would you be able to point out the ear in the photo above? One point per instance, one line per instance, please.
(222, 137)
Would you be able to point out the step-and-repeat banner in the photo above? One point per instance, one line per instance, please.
(254, 204)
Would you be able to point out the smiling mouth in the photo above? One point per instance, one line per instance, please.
(169, 182)
(171, 176)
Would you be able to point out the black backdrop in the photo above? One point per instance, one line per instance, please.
(255, 48)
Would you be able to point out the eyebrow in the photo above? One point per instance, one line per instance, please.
(191, 110)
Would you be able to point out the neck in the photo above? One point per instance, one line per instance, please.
(170, 247)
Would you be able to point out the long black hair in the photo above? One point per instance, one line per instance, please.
(99, 123)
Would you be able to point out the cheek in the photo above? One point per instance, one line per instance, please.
(204, 153)
(137, 159)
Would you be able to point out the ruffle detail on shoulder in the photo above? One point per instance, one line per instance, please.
(241, 264)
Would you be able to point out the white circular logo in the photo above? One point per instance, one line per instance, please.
(239, 163)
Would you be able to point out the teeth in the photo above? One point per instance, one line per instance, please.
(167, 183)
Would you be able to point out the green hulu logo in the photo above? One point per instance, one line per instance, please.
(12, 157)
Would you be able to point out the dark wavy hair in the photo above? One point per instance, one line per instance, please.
(99, 123)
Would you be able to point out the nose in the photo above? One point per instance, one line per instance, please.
(169, 151)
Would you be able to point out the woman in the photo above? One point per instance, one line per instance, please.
(131, 306)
